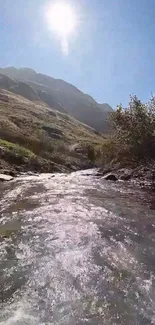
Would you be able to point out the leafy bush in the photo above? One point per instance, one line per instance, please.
(91, 153)
(134, 136)
(109, 150)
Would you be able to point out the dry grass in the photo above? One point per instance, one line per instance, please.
(32, 128)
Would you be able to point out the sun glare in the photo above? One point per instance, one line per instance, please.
(61, 19)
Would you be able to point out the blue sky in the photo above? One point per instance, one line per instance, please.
(111, 53)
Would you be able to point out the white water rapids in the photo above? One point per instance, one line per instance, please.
(84, 252)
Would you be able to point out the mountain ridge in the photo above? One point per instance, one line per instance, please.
(58, 94)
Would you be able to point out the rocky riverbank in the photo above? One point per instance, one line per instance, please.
(142, 174)
(8, 169)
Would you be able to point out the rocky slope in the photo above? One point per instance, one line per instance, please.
(58, 95)
(35, 137)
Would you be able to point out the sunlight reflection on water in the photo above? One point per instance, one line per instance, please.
(84, 253)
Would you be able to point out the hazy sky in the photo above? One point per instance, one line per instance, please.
(111, 53)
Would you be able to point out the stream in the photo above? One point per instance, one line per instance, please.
(79, 250)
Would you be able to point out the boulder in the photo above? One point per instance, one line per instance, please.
(99, 174)
(111, 177)
(8, 172)
(104, 171)
(125, 177)
(125, 174)
(53, 132)
(5, 178)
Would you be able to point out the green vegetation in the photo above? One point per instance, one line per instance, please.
(16, 149)
(91, 153)
(134, 133)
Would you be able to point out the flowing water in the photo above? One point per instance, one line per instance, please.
(76, 249)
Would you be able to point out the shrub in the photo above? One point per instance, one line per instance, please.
(109, 150)
(135, 130)
(16, 149)
(91, 153)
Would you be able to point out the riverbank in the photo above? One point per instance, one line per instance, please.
(40, 165)
(143, 174)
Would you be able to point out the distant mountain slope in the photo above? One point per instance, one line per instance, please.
(24, 89)
(61, 96)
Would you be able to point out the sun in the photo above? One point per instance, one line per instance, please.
(61, 19)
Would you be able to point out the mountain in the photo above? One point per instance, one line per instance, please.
(24, 89)
(57, 94)
(38, 138)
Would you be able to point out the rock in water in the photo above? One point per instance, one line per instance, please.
(125, 177)
(110, 177)
(5, 178)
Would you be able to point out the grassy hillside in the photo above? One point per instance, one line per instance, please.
(35, 137)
